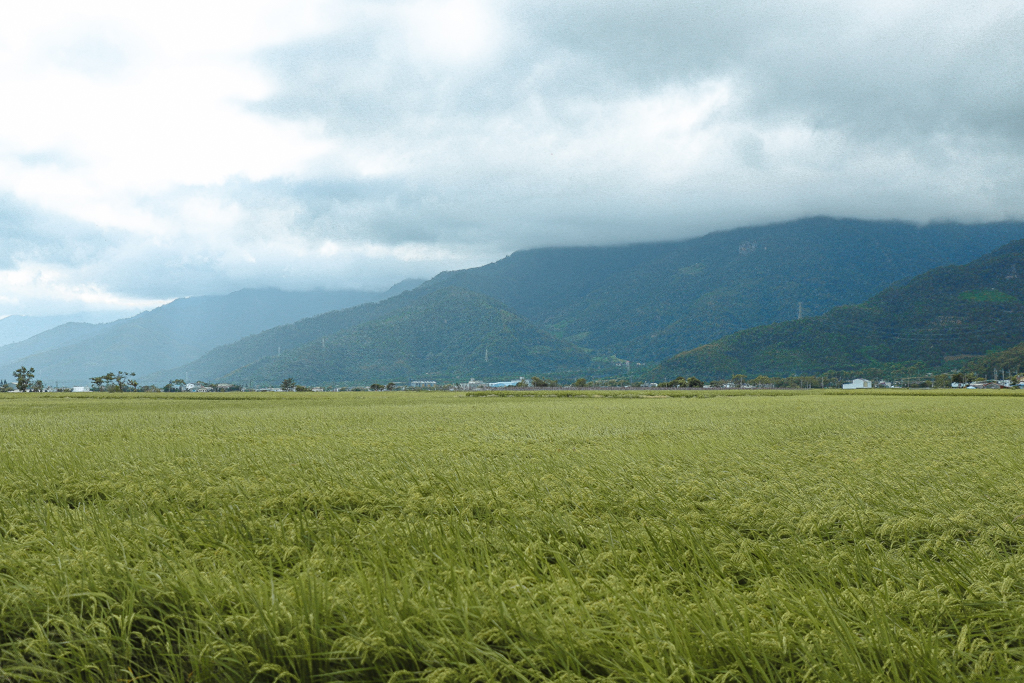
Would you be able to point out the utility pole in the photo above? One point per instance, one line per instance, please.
(799, 310)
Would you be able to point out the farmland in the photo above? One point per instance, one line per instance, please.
(753, 536)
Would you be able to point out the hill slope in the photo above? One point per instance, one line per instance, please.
(647, 301)
(23, 352)
(170, 335)
(445, 334)
(220, 361)
(16, 328)
(935, 319)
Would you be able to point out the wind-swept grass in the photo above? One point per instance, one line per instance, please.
(407, 537)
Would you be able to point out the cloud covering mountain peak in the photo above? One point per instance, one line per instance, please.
(187, 148)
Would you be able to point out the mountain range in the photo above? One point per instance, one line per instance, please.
(645, 302)
(450, 333)
(170, 335)
(640, 303)
(565, 311)
(938, 320)
(16, 328)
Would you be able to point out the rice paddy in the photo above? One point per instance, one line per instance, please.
(403, 537)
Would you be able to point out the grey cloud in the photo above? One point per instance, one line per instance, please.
(911, 65)
(916, 94)
(898, 110)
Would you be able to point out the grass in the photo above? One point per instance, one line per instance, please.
(437, 537)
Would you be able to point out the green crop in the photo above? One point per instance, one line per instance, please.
(439, 537)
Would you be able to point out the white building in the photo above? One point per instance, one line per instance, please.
(423, 384)
(505, 385)
(858, 384)
(78, 389)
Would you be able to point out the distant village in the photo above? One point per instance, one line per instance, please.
(525, 383)
(122, 381)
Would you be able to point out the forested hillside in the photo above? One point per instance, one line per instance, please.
(445, 335)
(647, 301)
(644, 302)
(937, 320)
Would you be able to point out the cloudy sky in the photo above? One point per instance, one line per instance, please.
(156, 150)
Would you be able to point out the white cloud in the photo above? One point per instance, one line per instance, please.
(170, 111)
(171, 149)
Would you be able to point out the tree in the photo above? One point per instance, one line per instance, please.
(115, 382)
(37, 385)
(288, 384)
(581, 382)
(958, 378)
(694, 383)
(24, 377)
(120, 381)
(376, 387)
(738, 380)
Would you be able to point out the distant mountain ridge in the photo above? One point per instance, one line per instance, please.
(649, 301)
(170, 335)
(645, 302)
(939, 319)
(16, 328)
(444, 335)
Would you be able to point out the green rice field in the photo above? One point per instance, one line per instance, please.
(751, 536)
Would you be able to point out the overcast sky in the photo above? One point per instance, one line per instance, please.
(155, 150)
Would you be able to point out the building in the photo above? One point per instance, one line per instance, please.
(858, 384)
(423, 384)
(505, 385)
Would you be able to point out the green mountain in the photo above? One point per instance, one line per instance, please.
(936, 320)
(445, 334)
(169, 335)
(644, 302)
(1001, 364)
(222, 360)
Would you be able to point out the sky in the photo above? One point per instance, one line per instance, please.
(155, 150)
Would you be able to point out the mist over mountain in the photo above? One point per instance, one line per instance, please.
(648, 301)
(16, 328)
(170, 335)
(937, 320)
